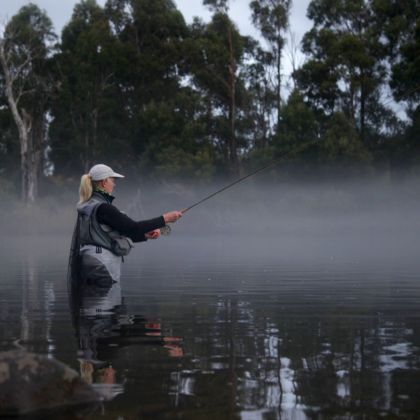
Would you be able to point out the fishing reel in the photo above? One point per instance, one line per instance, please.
(165, 230)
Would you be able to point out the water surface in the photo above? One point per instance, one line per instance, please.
(293, 326)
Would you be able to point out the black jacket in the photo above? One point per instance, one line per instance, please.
(111, 216)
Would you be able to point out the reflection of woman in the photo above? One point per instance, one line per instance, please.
(104, 235)
(103, 328)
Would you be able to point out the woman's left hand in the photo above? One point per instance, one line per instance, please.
(154, 234)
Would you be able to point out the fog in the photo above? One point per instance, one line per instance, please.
(307, 221)
(306, 292)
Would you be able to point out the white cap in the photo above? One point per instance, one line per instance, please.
(101, 171)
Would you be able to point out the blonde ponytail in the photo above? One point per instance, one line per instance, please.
(86, 188)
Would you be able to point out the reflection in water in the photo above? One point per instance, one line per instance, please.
(287, 342)
(103, 328)
(297, 368)
(36, 314)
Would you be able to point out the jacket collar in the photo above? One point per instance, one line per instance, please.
(108, 197)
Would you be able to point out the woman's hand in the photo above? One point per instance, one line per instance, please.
(172, 216)
(154, 234)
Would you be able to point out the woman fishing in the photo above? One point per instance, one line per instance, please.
(104, 235)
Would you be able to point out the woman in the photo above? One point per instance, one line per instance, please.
(103, 235)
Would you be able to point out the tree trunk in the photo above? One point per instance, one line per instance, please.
(30, 165)
(95, 116)
(265, 116)
(38, 147)
(278, 93)
(233, 156)
(362, 112)
(86, 157)
(23, 123)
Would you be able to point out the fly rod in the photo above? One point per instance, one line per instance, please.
(166, 230)
(231, 185)
(273, 163)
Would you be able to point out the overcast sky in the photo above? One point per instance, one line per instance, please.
(60, 12)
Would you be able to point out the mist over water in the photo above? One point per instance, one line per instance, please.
(284, 301)
(257, 205)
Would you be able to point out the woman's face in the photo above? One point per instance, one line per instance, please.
(108, 185)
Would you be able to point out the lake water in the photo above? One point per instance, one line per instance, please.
(293, 326)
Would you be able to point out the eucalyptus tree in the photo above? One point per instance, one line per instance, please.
(400, 24)
(345, 71)
(87, 107)
(153, 82)
(301, 125)
(271, 18)
(262, 98)
(216, 58)
(151, 34)
(25, 50)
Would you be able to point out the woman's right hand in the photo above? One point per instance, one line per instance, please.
(172, 216)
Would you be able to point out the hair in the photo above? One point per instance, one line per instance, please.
(85, 189)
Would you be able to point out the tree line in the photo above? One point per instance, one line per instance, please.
(132, 84)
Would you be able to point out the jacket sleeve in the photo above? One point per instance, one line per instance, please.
(111, 216)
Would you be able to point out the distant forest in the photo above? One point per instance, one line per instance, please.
(131, 84)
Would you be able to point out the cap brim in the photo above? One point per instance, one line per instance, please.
(115, 175)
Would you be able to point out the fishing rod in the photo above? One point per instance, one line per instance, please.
(243, 178)
(274, 163)
(231, 185)
(166, 230)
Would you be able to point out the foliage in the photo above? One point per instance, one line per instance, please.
(341, 142)
(217, 52)
(271, 17)
(300, 125)
(345, 45)
(26, 47)
(400, 26)
(87, 99)
(132, 85)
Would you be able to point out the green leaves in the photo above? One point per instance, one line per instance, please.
(218, 6)
(86, 67)
(132, 82)
(345, 45)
